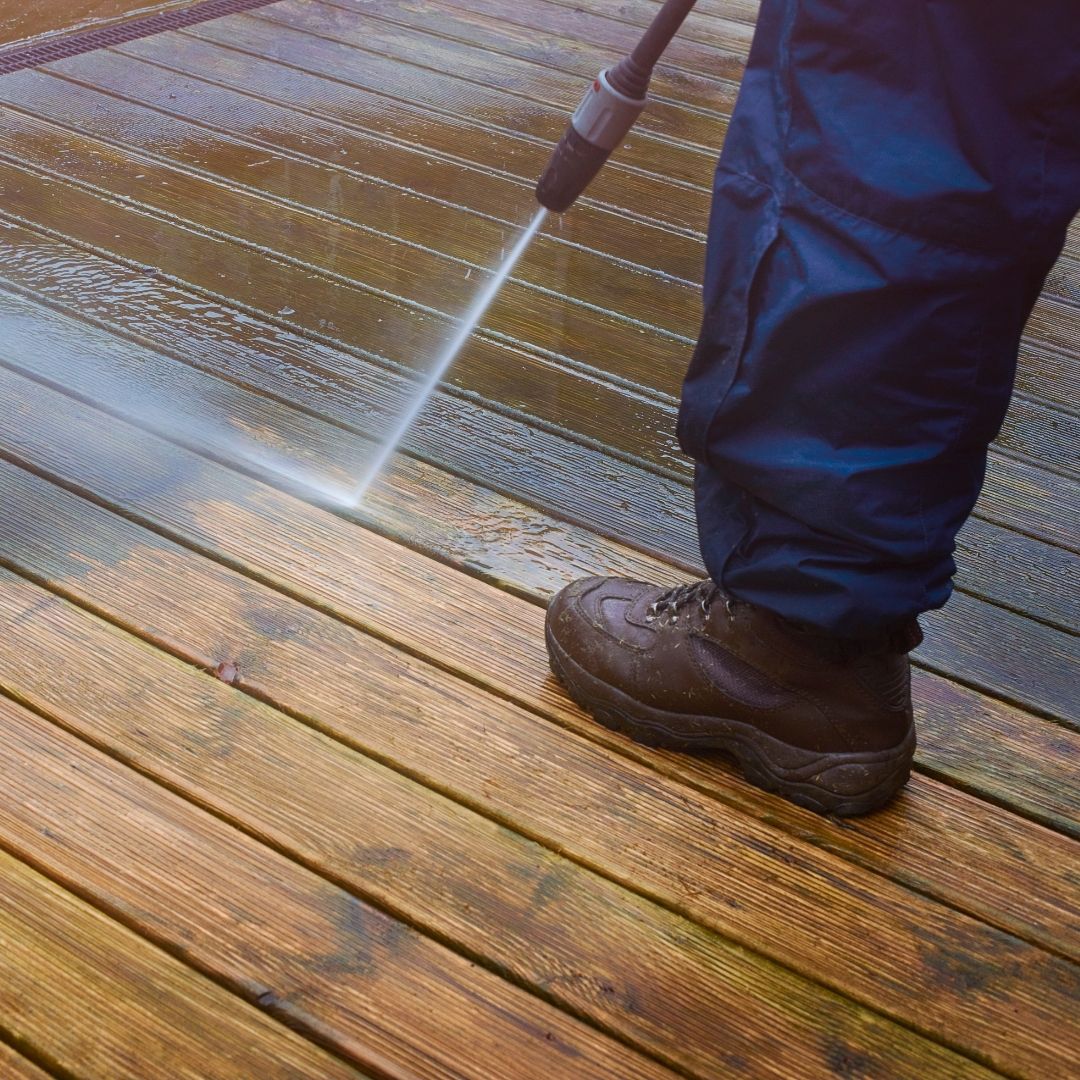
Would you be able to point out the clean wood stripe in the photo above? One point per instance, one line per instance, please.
(98, 1002)
(316, 958)
(323, 960)
(861, 934)
(971, 854)
(1016, 760)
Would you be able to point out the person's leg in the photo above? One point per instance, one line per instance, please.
(894, 187)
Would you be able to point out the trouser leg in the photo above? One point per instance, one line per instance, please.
(894, 187)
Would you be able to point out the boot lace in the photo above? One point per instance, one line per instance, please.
(673, 604)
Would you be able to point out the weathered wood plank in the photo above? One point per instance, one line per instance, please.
(360, 160)
(329, 962)
(14, 1066)
(316, 958)
(665, 125)
(945, 844)
(591, 25)
(631, 175)
(387, 215)
(654, 512)
(708, 20)
(458, 152)
(102, 1004)
(710, 86)
(949, 976)
(1033, 667)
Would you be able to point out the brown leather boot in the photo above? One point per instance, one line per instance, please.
(823, 721)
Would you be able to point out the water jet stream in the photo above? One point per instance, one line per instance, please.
(468, 324)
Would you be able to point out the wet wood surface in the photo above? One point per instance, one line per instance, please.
(306, 767)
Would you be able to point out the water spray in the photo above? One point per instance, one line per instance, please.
(608, 111)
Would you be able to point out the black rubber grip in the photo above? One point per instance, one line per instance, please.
(570, 171)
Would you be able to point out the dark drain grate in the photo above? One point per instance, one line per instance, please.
(45, 52)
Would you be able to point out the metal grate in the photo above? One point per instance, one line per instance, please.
(101, 37)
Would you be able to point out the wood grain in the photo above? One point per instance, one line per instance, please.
(1032, 667)
(591, 24)
(947, 975)
(14, 1066)
(632, 175)
(984, 653)
(22, 24)
(326, 962)
(552, 391)
(689, 132)
(707, 81)
(952, 831)
(521, 672)
(103, 1004)
(308, 952)
(603, 496)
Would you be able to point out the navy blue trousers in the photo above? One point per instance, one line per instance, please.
(895, 185)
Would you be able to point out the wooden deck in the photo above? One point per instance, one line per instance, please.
(289, 792)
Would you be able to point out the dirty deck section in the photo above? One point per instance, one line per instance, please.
(287, 791)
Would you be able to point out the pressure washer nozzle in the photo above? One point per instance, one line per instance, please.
(599, 125)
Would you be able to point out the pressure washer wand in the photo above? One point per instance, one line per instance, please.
(608, 111)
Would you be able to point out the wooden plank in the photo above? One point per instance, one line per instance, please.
(14, 1066)
(1039, 784)
(362, 159)
(98, 1002)
(460, 161)
(577, 407)
(711, 85)
(364, 279)
(706, 21)
(1033, 667)
(1042, 433)
(632, 175)
(662, 126)
(949, 976)
(328, 961)
(591, 25)
(387, 215)
(582, 483)
(318, 959)
(661, 517)
(674, 143)
(1031, 428)
(945, 844)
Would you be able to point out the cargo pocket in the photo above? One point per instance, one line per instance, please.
(744, 225)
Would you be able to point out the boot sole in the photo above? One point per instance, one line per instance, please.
(841, 784)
